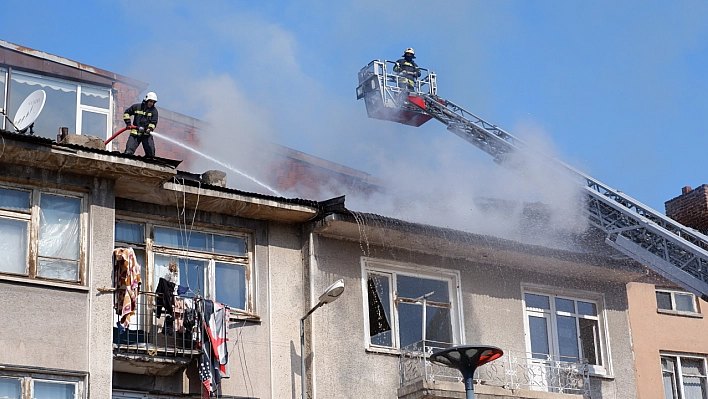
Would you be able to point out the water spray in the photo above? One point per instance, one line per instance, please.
(231, 168)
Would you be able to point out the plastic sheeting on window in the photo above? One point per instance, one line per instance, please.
(13, 246)
(59, 229)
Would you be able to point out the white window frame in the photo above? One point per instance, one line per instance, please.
(674, 310)
(398, 268)
(151, 249)
(603, 369)
(32, 217)
(28, 378)
(103, 111)
(3, 105)
(678, 372)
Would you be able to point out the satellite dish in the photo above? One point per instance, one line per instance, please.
(29, 110)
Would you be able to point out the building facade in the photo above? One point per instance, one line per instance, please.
(560, 316)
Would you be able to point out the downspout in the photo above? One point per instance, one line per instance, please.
(311, 271)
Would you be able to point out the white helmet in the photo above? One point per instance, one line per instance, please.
(150, 96)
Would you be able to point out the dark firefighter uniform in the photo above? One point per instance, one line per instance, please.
(408, 71)
(145, 121)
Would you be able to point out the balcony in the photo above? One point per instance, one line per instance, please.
(509, 376)
(157, 346)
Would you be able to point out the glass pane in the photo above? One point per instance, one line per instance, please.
(10, 388)
(410, 317)
(438, 326)
(684, 302)
(15, 200)
(415, 287)
(59, 226)
(95, 97)
(691, 366)
(229, 245)
(590, 340)
(669, 386)
(379, 288)
(168, 237)
(537, 301)
(130, 233)
(231, 285)
(53, 390)
(94, 124)
(3, 79)
(663, 300)
(538, 328)
(59, 108)
(587, 308)
(166, 267)
(192, 275)
(182, 239)
(567, 339)
(694, 388)
(59, 269)
(13, 246)
(565, 305)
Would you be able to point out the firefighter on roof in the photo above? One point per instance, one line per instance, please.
(144, 121)
(407, 69)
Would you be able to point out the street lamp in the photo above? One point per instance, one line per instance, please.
(466, 358)
(329, 295)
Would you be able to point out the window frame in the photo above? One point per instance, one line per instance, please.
(33, 222)
(28, 378)
(151, 249)
(696, 312)
(78, 117)
(393, 268)
(678, 374)
(551, 315)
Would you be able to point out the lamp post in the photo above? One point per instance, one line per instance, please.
(466, 358)
(329, 295)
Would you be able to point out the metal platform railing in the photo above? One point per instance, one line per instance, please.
(167, 335)
(514, 370)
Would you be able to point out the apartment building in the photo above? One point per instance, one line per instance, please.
(245, 268)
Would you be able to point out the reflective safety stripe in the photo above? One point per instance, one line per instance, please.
(139, 112)
(126, 116)
(151, 126)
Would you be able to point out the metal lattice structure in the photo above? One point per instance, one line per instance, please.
(670, 249)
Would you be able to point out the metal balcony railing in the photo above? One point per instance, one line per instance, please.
(165, 336)
(511, 371)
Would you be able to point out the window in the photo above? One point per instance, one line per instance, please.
(684, 376)
(676, 301)
(47, 224)
(18, 386)
(82, 108)
(400, 299)
(565, 328)
(211, 265)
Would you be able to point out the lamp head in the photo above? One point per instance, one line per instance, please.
(332, 292)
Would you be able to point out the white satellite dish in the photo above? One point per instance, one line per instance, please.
(29, 110)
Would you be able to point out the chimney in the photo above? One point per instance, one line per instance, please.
(686, 189)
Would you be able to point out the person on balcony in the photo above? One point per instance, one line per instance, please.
(407, 70)
(144, 121)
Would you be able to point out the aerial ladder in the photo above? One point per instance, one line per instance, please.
(676, 252)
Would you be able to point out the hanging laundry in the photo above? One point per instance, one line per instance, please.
(127, 283)
(165, 297)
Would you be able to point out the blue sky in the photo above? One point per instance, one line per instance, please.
(618, 90)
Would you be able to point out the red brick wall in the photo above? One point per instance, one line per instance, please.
(313, 181)
(690, 208)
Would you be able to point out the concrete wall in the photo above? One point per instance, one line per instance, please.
(653, 332)
(493, 314)
(57, 325)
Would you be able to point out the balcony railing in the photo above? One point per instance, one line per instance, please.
(511, 371)
(163, 336)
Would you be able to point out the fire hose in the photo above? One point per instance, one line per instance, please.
(117, 133)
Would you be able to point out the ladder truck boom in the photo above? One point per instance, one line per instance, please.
(670, 249)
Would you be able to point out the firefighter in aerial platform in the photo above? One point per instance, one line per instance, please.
(144, 121)
(407, 70)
